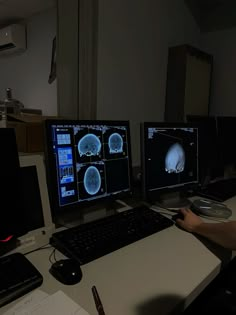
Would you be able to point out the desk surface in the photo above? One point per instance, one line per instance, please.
(151, 276)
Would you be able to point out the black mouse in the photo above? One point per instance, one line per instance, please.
(179, 215)
(67, 271)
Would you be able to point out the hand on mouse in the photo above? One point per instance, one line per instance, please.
(190, 221)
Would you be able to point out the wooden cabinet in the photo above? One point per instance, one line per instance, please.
(189, 73)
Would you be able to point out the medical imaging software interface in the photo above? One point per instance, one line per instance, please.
(92, 161)
(171, 157)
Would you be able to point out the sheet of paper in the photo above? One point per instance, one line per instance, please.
(33, 298)
(56, 304)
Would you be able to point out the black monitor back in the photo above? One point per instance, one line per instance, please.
(226, 128)
(210, 159)
(12, 212)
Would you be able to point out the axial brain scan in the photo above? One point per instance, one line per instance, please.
(89, 145)
(175, 159)
(115, 143)
(92, 180)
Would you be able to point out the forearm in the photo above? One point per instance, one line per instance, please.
(223, 234)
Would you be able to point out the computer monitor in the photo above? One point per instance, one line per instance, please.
(226, 128)
(169, 162)
(210, 159)
(87, 162)
(25, 220)
(12, 210)
(38, 219)
(10, 191)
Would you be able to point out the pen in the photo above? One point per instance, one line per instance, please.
(97, 301)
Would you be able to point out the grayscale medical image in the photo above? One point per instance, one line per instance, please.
(89, 145)
(92, 180)
(115, 143)
(175, 159)
(171, 156)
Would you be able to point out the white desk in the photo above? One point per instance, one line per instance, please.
(151, 276)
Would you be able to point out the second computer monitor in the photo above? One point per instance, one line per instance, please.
(12, 216)
(210, 155)
(226, 128)
(87, 161)
(169, 158)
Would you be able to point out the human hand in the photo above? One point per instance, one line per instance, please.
(190, 220)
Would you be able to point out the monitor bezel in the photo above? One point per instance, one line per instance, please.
(51, 169)
(155, 194)
(36, 238)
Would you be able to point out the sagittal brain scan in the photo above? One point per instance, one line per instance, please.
(92, 180)
(175, 159)
(89, 145)
(115, 143)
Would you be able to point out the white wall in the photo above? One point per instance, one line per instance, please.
(133, 41)
(222, 46)
(27, 74)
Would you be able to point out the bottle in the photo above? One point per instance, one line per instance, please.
(9, 102)
(5, 107)
(8, 94)
(12, 105)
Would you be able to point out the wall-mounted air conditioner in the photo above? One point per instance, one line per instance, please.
(12, 39)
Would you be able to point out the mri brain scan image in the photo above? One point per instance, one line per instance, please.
(92, 180)
(89, 145)
(115, 143)
(175, 159)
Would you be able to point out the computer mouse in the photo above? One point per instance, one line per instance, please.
(179, 215)
(67, 271)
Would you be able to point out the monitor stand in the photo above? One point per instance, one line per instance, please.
(90, 213)
(173, 200)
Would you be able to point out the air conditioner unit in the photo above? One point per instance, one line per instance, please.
(12, 39)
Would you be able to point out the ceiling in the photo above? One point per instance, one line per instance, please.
(212, 15)
(12, 11)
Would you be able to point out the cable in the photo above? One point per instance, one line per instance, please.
(40, 248)
(54, 256)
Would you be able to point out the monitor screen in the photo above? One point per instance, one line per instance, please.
(169, 157)
(86, 161)
(210, 159)
(226, 128)
(12, 216)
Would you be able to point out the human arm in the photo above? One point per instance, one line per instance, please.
(223, 233)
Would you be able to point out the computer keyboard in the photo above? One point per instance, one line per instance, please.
(220, 190)
(17, 277)
(92, 240)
